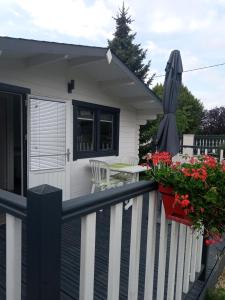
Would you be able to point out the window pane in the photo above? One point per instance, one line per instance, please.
(85, 138)
(106, 117)
(106, 131)
(85, 114)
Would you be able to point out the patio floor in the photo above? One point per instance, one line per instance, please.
(71, 259)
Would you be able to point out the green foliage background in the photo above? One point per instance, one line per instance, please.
(189, 114)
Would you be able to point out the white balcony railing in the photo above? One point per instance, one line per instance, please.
(178, 261)
(173, 252)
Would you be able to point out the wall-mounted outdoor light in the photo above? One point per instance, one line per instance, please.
(71, 86)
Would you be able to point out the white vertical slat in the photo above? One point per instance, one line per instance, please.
(172, 260)
(199, 253)
(13, 257)
(135, 248)
(87, 256)
(206, 151)
(150, 252)
(180, 262)
(115, 251)
(162, 255)
(193, 256)
(221, 155)
(198, 151)
(187, 262)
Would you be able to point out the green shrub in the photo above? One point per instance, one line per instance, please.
(216, 294)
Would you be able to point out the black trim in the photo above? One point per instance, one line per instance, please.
(25, 158)
(97, 152)
(13, 204)
(93, 202)
(8, 88)
(93, 105)
(23, 92)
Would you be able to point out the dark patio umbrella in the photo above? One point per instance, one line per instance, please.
(167, 136)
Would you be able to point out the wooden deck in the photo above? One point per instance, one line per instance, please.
(71, 259)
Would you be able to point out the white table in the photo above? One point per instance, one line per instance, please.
(133, 170)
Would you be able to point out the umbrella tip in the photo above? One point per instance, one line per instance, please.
(176, 51)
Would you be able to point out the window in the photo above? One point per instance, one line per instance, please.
(96, 130)
(48, 135)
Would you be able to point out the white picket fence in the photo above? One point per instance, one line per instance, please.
(196, 145)
(209, 140)
(183, 249)
(13, 257)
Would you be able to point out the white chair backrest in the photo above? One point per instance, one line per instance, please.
(100, 171)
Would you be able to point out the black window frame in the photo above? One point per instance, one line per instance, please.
(97, 152)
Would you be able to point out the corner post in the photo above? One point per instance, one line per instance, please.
(44, 208)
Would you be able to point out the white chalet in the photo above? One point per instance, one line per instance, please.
(62, 104)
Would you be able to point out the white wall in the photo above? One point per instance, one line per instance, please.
(50, 81)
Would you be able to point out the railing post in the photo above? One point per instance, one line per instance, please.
(44, 208)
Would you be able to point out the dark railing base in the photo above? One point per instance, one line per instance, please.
(210, 280)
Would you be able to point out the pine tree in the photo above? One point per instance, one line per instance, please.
(124, 47)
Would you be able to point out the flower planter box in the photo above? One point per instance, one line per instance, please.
(173, 211)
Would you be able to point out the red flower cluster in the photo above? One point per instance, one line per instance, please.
(161, 157)
(183, 200)
(209, 161)
(199, 173)
(195, 186)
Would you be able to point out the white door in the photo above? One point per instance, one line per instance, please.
(48, 147)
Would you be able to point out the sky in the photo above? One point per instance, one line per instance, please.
(195, 27)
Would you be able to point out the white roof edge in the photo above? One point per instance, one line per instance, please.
(33, 46)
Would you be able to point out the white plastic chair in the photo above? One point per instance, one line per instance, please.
(101, 178)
